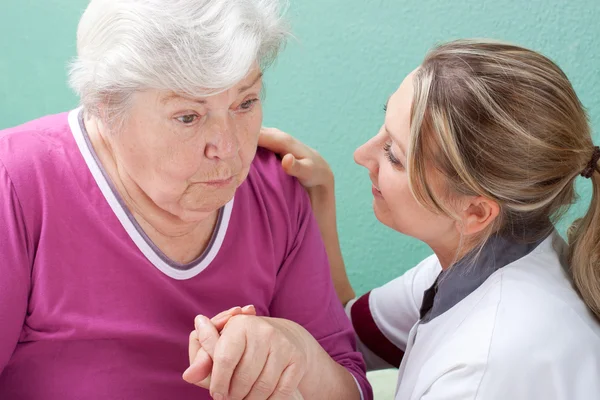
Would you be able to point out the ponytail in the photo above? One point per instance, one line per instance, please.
(584, 257)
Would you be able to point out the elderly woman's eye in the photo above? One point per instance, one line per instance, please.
(187, 119)
(248, 104)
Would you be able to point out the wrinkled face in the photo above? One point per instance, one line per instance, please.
(189, 155)
(385, 157)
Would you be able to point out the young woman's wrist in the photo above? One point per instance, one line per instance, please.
(323, 196)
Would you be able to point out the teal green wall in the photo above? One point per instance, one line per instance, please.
(330, 84)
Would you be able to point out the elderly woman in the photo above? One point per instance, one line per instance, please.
(124, 219)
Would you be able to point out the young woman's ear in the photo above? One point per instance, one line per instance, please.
(477, 215)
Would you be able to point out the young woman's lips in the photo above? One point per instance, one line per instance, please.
(376, 191)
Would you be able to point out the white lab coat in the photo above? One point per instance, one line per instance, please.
(524, 334)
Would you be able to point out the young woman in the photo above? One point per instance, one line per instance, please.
(478, 158)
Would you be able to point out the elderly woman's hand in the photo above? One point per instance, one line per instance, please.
(200, 361)
(299, 160)
(253, 358)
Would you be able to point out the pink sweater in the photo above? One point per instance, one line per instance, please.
(91, 309)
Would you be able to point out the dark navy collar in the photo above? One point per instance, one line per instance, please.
(466, 275)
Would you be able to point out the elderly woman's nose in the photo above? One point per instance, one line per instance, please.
(222, 141)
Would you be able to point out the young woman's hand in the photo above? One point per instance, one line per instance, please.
(316, 176)
(298, 160)
(252, 357)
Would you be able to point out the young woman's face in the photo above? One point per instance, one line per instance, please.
(385, 158)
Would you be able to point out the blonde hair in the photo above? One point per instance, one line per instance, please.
(504, 122)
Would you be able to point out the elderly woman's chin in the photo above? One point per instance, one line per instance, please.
(204, 198)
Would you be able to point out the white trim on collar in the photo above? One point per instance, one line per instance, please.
(130, 228)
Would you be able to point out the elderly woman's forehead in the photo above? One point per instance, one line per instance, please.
(251, 79)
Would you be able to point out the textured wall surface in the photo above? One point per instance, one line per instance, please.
(329, 86)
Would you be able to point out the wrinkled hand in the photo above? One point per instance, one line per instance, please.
(299, 160)
(200, 361)
(253, 358)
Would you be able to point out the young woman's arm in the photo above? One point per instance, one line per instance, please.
(314, 174)
(383, 317)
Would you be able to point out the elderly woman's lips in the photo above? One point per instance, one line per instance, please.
(218, 182)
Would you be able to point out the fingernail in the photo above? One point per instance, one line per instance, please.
(248, 308)
(200, 321)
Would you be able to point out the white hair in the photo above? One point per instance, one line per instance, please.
(192, 47)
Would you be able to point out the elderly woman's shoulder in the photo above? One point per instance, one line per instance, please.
(35, 145)
(267, 167)
(268, 180)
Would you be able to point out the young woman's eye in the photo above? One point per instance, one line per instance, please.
(247, 105)
(384, 107)
(391, 158)
(187, 119)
